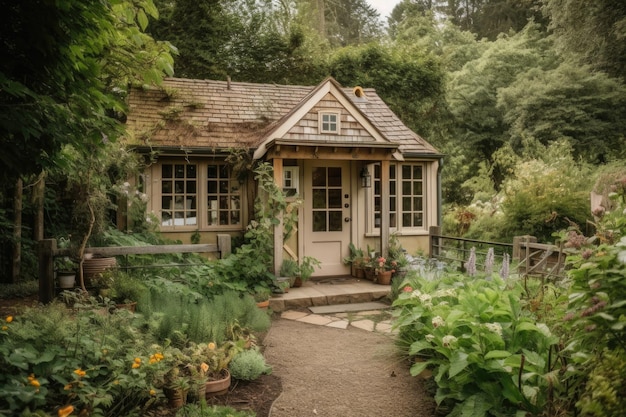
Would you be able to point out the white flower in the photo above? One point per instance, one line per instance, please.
(448, 340)
(448, 292)
(416, 293)
(126, 184)
(430, 337)
(437, 321)
(143, 197)
(425, 298)
(494, 327)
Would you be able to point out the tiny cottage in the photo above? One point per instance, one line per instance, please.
(360, 172)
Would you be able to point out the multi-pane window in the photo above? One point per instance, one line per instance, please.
(327, 203)
(406, 196)
(412, 196)
(179, 194)
(223, 196)
(199, 195)
(329, 123)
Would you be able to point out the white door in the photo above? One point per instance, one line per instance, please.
(327, 222)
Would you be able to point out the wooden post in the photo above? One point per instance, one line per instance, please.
(278, 228)
(434, 232)
(224, 245)
(46, 249)
(384, 208)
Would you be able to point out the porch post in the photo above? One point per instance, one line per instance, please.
(384, 208)
(278, 229)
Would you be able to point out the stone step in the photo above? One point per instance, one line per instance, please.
(336, 291)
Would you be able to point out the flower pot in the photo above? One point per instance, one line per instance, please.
(66, 279)
(92, 267)
(263, 305)
(218, 386)
(176, 397)
(127, 306)
(370, 274)
(384, 277)
(297, 282)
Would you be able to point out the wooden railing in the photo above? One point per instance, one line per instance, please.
(532, 259)
(48, 250)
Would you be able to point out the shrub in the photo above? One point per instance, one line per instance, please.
(249, 365)
(203, 410)
(487, 354)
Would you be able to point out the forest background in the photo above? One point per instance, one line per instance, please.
(526, 98)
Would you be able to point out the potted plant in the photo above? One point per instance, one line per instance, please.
(262, 296)
(210, 362)
(307, 267)
(290, 269)
(126, 290)
(65, 268)
(356, 261)
(384, 269)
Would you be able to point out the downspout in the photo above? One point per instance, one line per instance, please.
(439, 193)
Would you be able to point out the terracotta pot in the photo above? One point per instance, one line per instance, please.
(93, 267)
(297, 282)
(384, 277)
(129, 306)
(176, 397)
(218, 386)
(263, 304)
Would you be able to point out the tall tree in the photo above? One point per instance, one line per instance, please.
(594, 32)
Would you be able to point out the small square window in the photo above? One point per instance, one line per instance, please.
(291, 181)
(329, 123)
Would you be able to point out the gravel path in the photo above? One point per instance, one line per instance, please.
(341, 373)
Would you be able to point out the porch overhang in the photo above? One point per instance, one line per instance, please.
(315, 149)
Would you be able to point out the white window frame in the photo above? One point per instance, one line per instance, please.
(291, 180)
(374, 229)
(201, 208)
(336, 122)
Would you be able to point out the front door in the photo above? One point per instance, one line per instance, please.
(327, 211)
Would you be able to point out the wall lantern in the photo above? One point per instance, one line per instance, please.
(366, 178)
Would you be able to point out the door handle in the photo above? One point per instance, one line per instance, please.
(347, 219)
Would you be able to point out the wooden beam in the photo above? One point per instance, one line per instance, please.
(384, 208)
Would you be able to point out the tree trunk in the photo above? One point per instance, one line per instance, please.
(17, 230)
(38, 202)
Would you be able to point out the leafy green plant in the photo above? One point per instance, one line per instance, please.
(203, 410)
(289, 268)
(249, 365)
(487, 354)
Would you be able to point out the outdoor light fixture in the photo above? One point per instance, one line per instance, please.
(366, 178)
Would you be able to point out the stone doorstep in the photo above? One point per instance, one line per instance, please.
(343, 308)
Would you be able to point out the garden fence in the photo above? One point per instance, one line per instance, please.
(48, 250)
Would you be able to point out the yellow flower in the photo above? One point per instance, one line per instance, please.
(212, 346)
(68, 387)
(136, 365)
(9, 319)
(152, 392)
(116, 382)
(137, 360)
(34, 383)
(65, 411)
(204, 367)
(5, 328)
(80, 372)
(156, 358)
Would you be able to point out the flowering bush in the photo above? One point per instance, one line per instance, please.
(488, 355)
(382, 264)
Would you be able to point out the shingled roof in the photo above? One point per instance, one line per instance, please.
(198, 114)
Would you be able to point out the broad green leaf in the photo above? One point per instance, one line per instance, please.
(497, 354)
(418, 367)
(458, 362)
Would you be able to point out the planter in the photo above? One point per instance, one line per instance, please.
(370, 274)
(66, 279)
(263, 305)
(92, 267)
(359, 272)
(176, 397)
(127, 306)
(384, 277)
(297, 282)
(218, 386)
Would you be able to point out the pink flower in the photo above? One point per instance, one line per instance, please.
(407, 289)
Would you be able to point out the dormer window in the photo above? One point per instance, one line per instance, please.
(329, 122)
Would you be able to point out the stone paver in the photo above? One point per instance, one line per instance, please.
(339, 324)
(293, 315)
(315, 319)
(364, 324)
